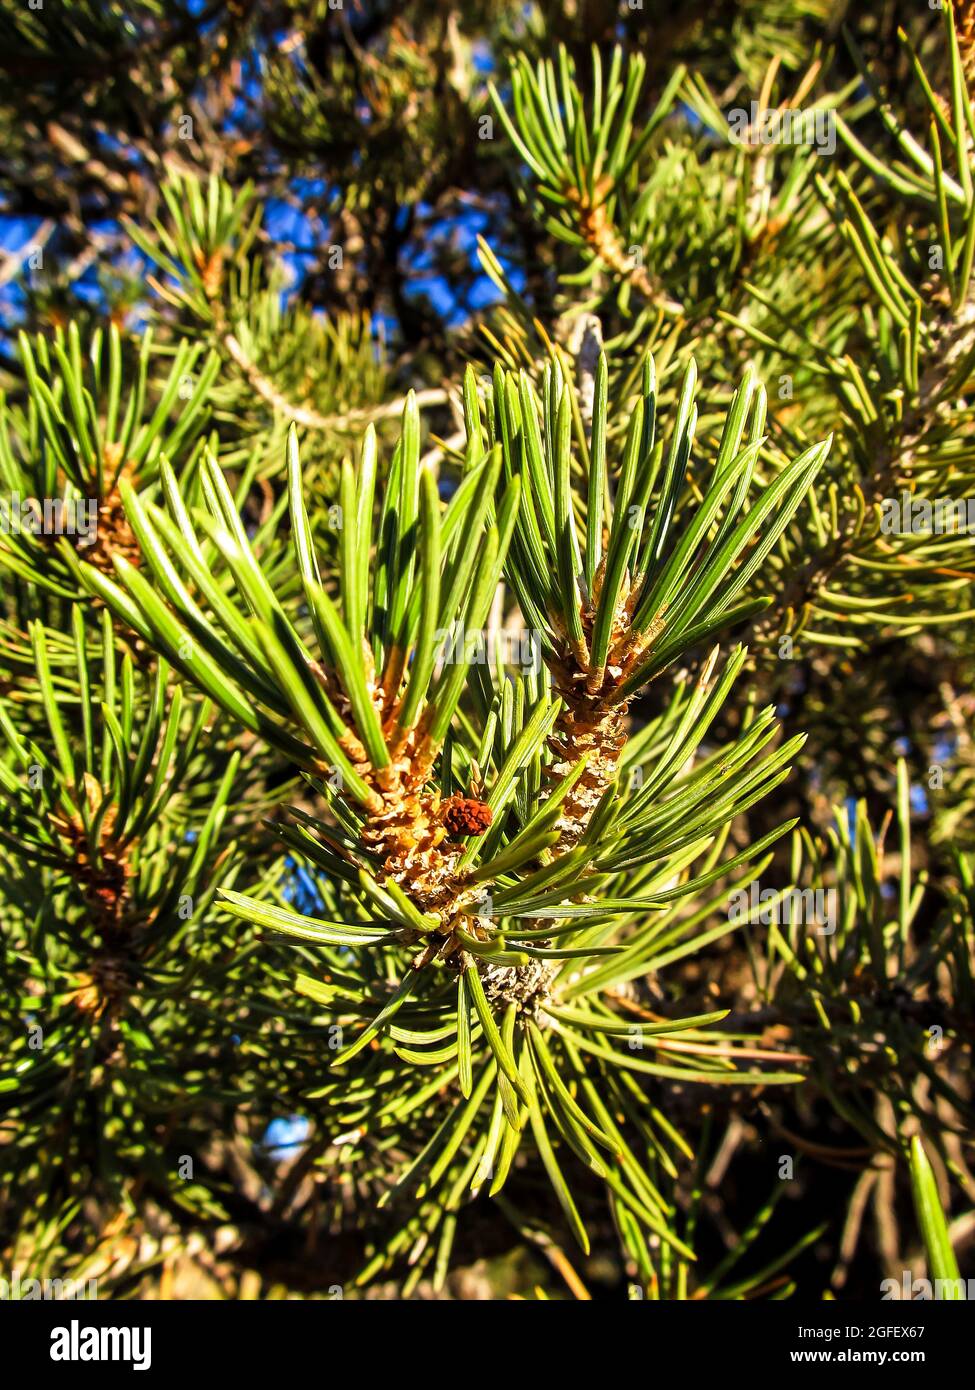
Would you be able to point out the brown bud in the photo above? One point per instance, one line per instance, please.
(462, 815)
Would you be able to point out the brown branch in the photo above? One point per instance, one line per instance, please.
(311, 419)
(894, 463)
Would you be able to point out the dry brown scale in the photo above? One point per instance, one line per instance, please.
(113, 534)
(597, 229)
(104, 888)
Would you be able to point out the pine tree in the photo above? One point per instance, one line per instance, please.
(522, 754)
